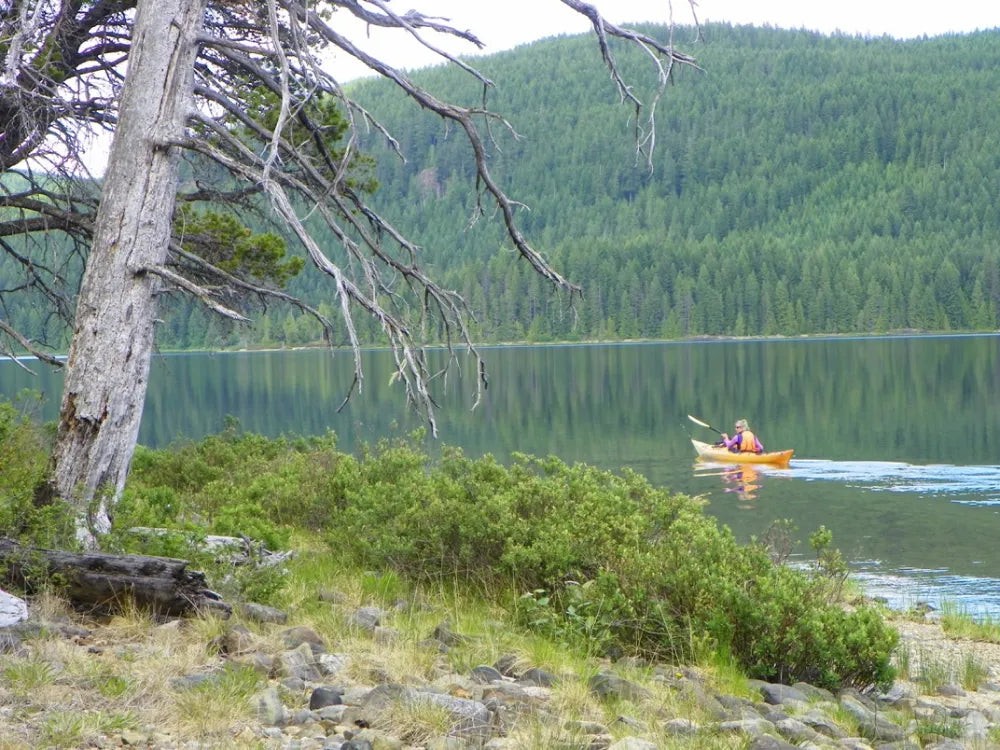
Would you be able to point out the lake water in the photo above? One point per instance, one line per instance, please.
(897, 440)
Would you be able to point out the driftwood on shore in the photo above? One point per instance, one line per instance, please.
(107, 582)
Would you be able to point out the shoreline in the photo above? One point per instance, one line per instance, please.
(700, 339)
(891, 335)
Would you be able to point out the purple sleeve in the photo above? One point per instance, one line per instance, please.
(758, 446)
(734, 440)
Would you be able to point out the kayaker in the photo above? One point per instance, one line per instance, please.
(743, 441)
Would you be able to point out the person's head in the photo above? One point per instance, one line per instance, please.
(741, 424)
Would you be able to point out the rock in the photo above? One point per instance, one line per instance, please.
(299, 662)
(814, 693)
(270, 710)
(445, 635)
(611, 686)
(325, 696)
(485, 675)
(679, 727)
(585, 727)
(777, 694)
(190, 681)
(766, 742)
(538, 677)
(472, 719)
(952, 690)
(332, 664)
(262, 613)
(13, 610)
(797, 731)
(506, 665)
(295, 637)
(873, 725)
(134, 739)
(333, 597)
(385, 635)
(367, 618)
(236, 640)
(752, 727)
(633, 743)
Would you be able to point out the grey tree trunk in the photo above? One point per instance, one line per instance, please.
(108, 367)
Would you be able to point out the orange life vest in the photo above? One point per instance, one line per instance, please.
(748, 443)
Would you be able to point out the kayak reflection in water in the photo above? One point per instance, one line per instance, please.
(743, 479)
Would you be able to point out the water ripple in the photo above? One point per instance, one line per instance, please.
(890, 476)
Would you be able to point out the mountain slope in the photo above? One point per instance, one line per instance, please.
(800, 184)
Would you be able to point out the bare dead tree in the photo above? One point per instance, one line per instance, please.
(259, 105)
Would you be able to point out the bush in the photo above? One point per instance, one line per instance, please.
(235, 483)
(658, 576)
(24, 456)
(610, 563)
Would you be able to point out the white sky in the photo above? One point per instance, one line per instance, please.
(502, 24)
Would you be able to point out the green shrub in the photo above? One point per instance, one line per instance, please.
(659, 577)
(238, 483)
(612, 563)
(24, 456)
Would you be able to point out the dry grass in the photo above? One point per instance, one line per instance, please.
(65, 692)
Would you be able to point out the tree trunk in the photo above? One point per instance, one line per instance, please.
(107, 583)
(108, 366)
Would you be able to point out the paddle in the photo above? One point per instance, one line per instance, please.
(703, 424)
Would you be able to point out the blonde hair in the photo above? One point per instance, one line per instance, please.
(742, 423)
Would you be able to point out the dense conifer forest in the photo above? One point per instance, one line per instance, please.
(800, 184)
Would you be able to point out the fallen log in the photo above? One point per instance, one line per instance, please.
(105, 583)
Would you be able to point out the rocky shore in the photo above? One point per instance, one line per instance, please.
(311, 692)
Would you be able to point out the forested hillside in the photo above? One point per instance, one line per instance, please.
(800, 184)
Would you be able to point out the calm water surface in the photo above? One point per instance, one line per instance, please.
(897, 440)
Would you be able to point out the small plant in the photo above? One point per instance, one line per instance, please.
(217, 703)
(62, 729)
(830, 563)
(25, 677)
(106, 723)
(943, 728)
(778, 539)
(384, 587)
(933, 674)
(113, 686)
(959, 623)
(416, 722)
(904, 662)
(973, 672)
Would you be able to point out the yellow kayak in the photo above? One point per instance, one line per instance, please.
(709, 452)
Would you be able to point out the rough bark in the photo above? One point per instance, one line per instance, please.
(108, 365)
(107, 582)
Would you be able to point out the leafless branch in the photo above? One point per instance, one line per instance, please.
(49, 108)
(29, 346)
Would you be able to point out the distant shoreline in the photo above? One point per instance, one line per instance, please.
(901, 334)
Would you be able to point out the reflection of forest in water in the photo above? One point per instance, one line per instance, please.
(909, 399)
(920, 399)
